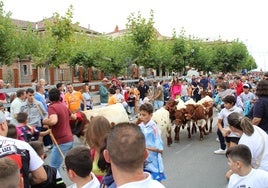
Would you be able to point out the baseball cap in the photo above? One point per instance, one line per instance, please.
(2, 117)
(245, 85)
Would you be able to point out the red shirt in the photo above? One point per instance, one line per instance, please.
(239, 88)
(2, 96)
(61, 130)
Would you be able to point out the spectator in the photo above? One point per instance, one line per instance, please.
(223, 132)
(247, 98)
(143, 89)
(154, 163)
(104, 94)
(120, 98)
(58, 120)
(26, 132)
(204, 82)
(3, 95)
(96, 136)
(238, 85)
(87, 96)
(131, 104)
(223, 91)
(74, 99)
(42, 82)
(112, 97)
(39, 95)
(12, 131)
(158, 95)
(35, 110)
(10, 174)
(184, 91)
(21, 151)
(79, 166)
(239, 160)
(128, 140)
(54, 179)
(175, 88)
(60, 87)
(260, 108)
(252, 136)
(15, 106)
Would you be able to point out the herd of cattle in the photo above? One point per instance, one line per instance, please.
(176, 114)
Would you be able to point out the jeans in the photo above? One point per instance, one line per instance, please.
(158, 104)
(56, 158)
(132, 112)
(221, 139)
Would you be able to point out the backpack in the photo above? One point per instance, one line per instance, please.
(20, 156)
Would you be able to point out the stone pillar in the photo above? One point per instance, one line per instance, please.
(16, 77)
(52, 75)
(89, 74)
(34, 74)
(1, 73)
(80, 76)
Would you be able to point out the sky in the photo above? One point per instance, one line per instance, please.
(206, 19)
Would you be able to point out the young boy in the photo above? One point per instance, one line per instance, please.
(239, 160)
(25, 132)
(54, 179)
(79, 165)
(223, 132)
(154, 144)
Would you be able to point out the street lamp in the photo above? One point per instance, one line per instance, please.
(184, 66)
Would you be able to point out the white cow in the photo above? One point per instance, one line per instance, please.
(115, 113)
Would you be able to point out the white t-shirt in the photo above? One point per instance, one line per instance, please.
(94, 183)
(35, 160)
(148, 183)
(224, 113)
(255, 179)
(255, 144)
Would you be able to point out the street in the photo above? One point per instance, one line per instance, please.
(190, 163)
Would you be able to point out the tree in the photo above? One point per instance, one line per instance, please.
(142, 33)
(7, 32)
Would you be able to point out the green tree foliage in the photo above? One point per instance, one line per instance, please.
(142, 33)
(7, 31)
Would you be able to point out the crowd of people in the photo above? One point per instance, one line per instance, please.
(39, 117)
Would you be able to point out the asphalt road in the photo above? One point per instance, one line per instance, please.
(190, 163)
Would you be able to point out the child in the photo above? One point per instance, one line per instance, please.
(12, 131)
(26, 132)
(112, 97)
(79, 165)
(239, 160)
(54, 179)
(131, 103)
(223, 132)
(154, 144)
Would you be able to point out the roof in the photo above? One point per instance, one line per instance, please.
(41, 25)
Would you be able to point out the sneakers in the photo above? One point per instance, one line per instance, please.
(220, 151)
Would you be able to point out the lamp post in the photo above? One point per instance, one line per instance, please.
(184, 66)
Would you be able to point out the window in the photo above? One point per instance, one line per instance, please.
(25, 70)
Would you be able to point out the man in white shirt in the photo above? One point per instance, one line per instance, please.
(15, 106)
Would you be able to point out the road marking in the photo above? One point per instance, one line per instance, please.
(187, 146)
